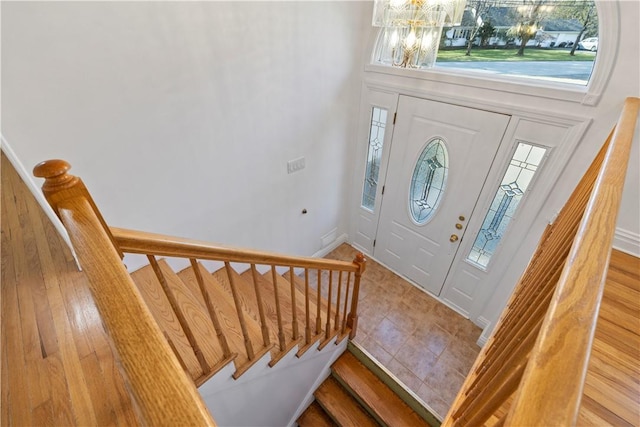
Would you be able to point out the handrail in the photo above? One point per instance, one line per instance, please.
(164, 394)
(564, 344)
(140, 242)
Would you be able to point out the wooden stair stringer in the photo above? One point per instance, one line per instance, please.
(384, 404)
(228, 317)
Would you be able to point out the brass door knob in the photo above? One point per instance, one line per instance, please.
(453, 238)
(461, 218)
(459, 226)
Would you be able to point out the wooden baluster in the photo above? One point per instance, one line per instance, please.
(336, 322)
(175, 351)
(346, 303)
(222, 339)
(536, 310)
(179, 314)
(551, 253)
(531, 283)
(519, 351)
(236, 299)
(263, 320)
(501, 391)
(535, 306)
(504, 350)
(352, 322)
(281, 339)
(319, 304)
(294, 307)
(328, 326)
(307, 314)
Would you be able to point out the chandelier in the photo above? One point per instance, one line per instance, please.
(411, 29)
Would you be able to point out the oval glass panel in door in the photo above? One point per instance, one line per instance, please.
(428, 181)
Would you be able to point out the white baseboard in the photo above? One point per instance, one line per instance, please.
(27, 178)
(627, 241)
(333, 245)
(487, 329)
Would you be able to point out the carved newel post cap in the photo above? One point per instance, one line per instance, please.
(55, 174)
(360, 257)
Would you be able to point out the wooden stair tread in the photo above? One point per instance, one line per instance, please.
(341, 406)
(152, 293)
(315, 416)
(195, 311)
(382, 401)
(228, 317)
(248, 300)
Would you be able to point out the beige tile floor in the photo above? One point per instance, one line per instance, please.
(426, 345)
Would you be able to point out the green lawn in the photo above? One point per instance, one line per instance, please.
(530, 54)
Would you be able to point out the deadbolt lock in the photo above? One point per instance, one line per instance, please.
(453, 238)
(459, 226)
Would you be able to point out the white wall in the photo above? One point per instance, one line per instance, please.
(269, 397)
(181, 116)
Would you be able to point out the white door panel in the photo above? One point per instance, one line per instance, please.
(459, 144)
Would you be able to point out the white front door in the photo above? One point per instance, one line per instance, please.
(440, 156)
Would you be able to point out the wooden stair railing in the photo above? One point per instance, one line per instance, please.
(148, 347)
(163, 393)
(533, 367)
(343, 302)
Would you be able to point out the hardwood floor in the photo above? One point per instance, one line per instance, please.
(58, 368)
(57, 365)
(612, 390)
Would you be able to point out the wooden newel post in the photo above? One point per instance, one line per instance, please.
(352, 318)
(60, 186)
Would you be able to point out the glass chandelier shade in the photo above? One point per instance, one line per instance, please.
(412, 29)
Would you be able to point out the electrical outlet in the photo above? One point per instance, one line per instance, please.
(295, 165)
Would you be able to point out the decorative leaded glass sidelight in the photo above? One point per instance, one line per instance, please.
(515, 182)
(374, 157)
(428, 181)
